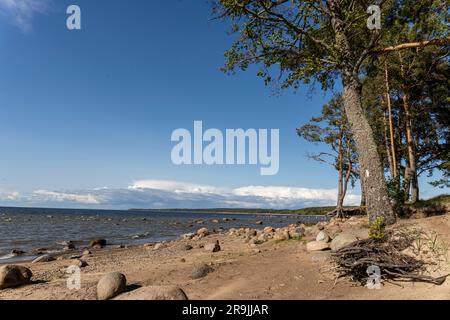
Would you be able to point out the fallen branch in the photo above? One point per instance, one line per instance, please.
(355, 259)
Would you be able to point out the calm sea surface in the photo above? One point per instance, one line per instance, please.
(27, 229)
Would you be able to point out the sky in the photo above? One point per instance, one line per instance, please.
(86, 116)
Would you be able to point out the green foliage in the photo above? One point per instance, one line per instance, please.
(376, 229)
(395, 192)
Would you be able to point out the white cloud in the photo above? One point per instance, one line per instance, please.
(52, 196)
(13, 196)
(21, 12)
(175, 194)
(174, 186)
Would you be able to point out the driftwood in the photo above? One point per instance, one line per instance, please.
(355, 259)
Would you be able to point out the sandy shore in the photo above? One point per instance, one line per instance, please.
(272, 270)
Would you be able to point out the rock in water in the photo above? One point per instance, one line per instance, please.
(317, 246)
(111, 285)
(201, 271)
(44, 258)
(259, 222)
(154, 293)
(99, 243)
(342, 240)
(12, 276)
(323, 236)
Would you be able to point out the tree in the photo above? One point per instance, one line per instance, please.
(323, 41)
(332, 129)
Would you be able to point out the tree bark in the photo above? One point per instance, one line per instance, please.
(391, 127)
(377, 199)
(411, 169)
(363, 195)
(388, 148)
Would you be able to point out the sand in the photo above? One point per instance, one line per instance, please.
(281, 270)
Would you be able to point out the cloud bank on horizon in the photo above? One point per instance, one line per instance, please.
(21, 12)
(174, 194)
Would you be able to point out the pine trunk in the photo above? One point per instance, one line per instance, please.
(377, 199)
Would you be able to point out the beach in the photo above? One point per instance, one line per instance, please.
(242, 269)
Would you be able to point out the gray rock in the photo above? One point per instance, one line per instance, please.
(202, 232)
(187, 247)
(12, 276)
(17, 252)
(323, 236)
(317, 246)
(281, 236)
(201, 271)
(188, 236)
(342, 240)
(111, 285)
(97, 243)
(78, 262)
(154, 293)
(213, 247)
(44, 258)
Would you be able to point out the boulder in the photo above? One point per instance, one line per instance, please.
(44, 258)
(259, 222)
(297, 232)
(111, 285)
(78, 262)
(201, 271)
(17, 252)
(342, 240)
(187, 247)
(202, 232)
(317, 246)
(213, 247)
(97, 243)
(188, 236)
(12, 276)
(269, 230)
(154, 293)
(323, 237)
(281, 235)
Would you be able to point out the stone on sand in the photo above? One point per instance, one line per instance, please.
(317, 246)
(44, 258)
(111, 285)
(154, 293)
(201, 271)
(12, 276)
(202, 232)
(213, 247)
(323, 237)
(342, 240)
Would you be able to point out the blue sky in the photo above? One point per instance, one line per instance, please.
(86, 116)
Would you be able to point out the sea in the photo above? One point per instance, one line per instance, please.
(32, 229)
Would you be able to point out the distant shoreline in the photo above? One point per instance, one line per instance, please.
(311, 211)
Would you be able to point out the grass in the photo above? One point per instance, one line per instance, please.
(436, 201)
